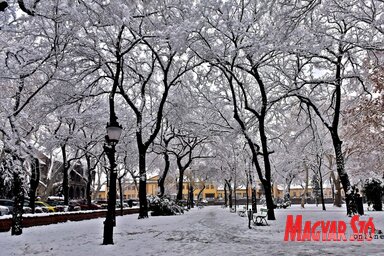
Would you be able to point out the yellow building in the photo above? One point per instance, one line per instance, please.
(212, 191)
(296, 191)
(152, 186)
(241, 192)
(131, 191)
(102, 193)
(209, 192)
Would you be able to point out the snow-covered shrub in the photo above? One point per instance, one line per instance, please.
(163, 206)
(373, 191)
(287, 199)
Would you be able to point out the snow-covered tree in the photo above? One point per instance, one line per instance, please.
(331, 46)
(33, 47)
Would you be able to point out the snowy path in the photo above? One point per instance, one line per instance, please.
(209, 231)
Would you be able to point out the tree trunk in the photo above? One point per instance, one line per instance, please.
(247, 188)
(338, 199)
(65, 175)
(180, 187)
(321, 190)
(35, 178)
(254, 200)
(268, 198)
(343, 176)
(88, 191)
(191, 203)
(289, 187)
(335, 184)
(164, 175)
(228, 182)
(234, 191)
(267, 165)
(17, 215)
(200, 192)
(143, 185)
(121, 196)
(253, 197)
(225, 195)
(304, 195)
(332, 189)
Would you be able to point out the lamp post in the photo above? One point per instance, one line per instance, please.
(112, 138)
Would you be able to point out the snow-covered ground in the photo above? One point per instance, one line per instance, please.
(208, 231)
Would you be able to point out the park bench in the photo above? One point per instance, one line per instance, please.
(260, 218)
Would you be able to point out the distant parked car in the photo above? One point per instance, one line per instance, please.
(7, 203)
(27, 209)
(125, 205)
(102, 203)
(132, 202)
(3, 210)
(92, 206)
(59, 205)
(76, 205)
(45, 207)
(73, 206)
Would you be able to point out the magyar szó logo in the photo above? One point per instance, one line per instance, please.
(330, 230)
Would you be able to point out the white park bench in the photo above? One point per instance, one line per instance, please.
(260, 217)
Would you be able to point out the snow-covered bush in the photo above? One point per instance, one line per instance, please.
(374, 192)
(163, 206)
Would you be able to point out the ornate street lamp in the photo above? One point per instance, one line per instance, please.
(112, 138)
(113, 133)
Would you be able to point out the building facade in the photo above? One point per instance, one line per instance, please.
(209, 191)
